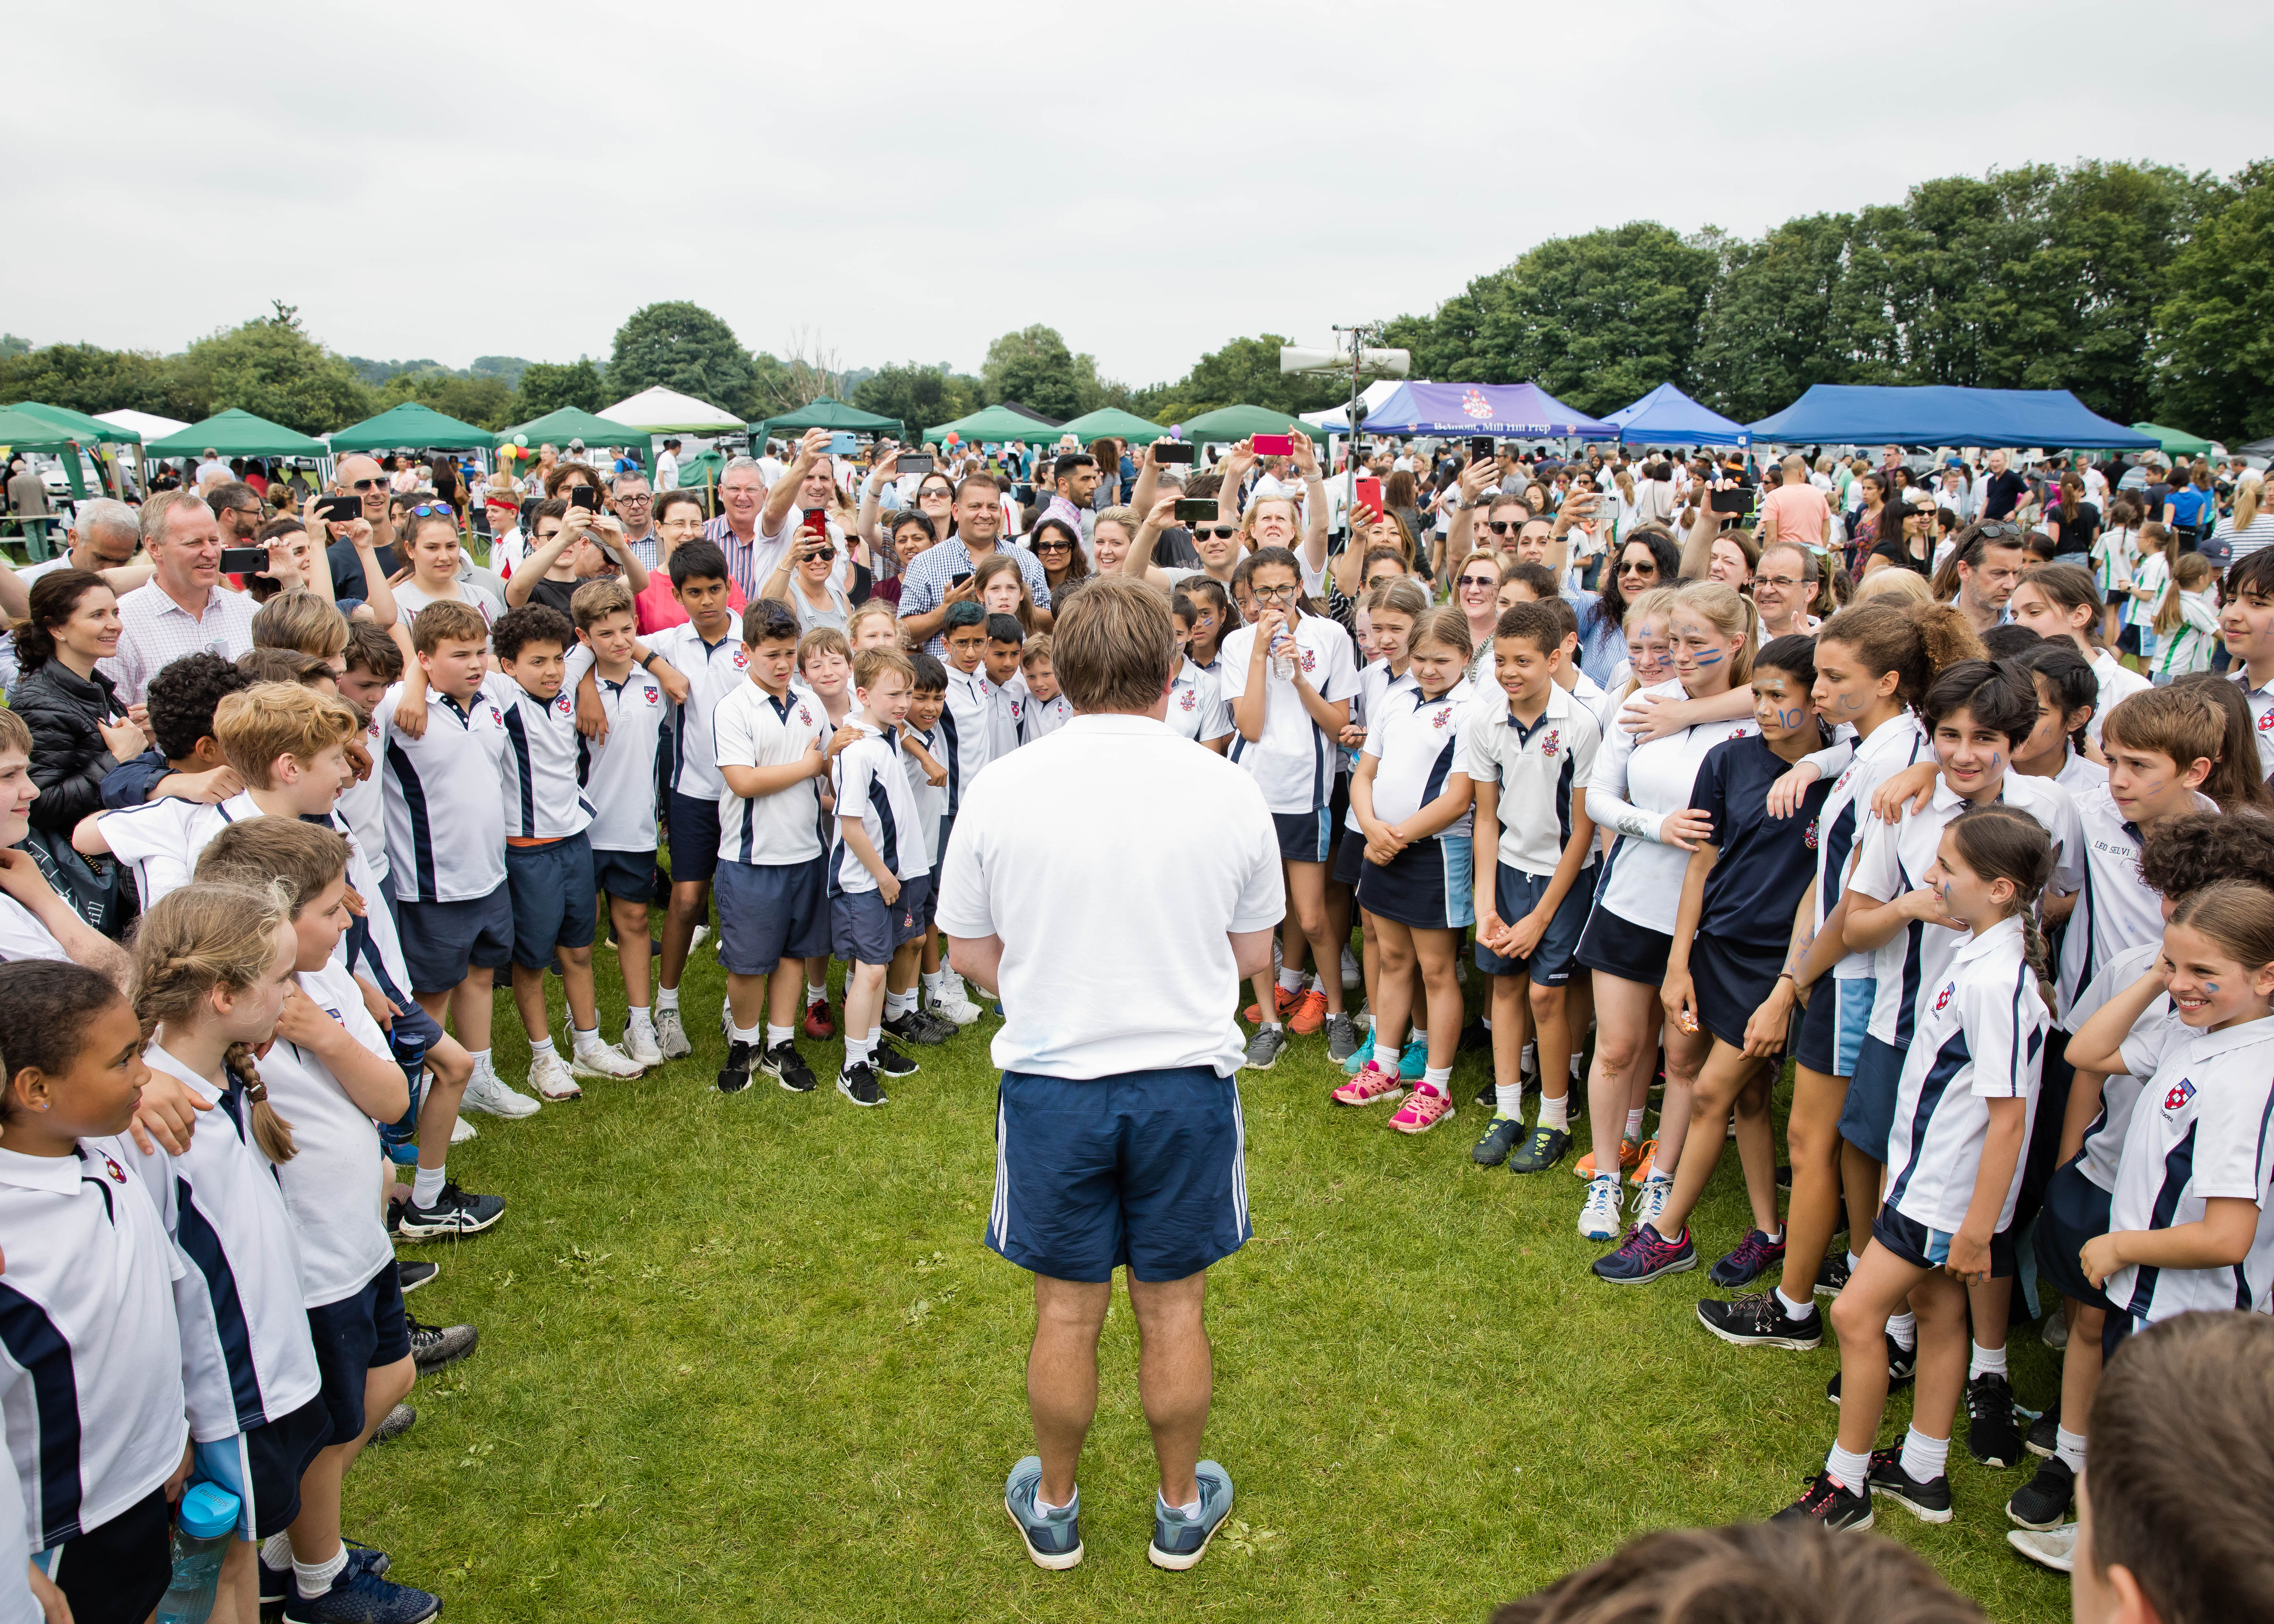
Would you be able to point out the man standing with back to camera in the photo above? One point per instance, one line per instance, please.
(1118, 1133)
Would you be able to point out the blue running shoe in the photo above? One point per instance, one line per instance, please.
(1644, 1255)
(1180, 1541)
(1415, 1061)
(359, 1596)
(276, 1583)
(1053, 1539)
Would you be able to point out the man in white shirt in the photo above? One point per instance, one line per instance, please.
(1117, 1054)
(667, 467)
(184, 607)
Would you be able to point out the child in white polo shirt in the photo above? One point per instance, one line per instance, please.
(878, 871)
(1044, 709)
(923, 750)
(825, 677)
(1006, 718)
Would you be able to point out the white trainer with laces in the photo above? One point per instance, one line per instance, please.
(639, 1043)
(604, 1060)
(487, 1091)
(549, 1075)
(1598, 1218)
(955, 1004)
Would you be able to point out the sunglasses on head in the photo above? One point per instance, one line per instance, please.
(426, 509)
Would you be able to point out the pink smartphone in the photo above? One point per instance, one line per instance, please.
(1274, 445)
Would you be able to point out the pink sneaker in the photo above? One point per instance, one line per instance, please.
(1372, 1086)
(1423, 1111)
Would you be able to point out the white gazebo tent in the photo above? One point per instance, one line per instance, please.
(148, 424)
(660, 410)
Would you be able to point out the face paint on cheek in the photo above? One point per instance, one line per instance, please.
(1789, 719)
(1706, 659)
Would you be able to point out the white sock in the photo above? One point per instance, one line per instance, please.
(426, 1186)
(1508, 1100)
(1318, 984)
(1575, 1071)
(539, 1047)
(637, 1018)
(2068, 1446)
(1291, 980)
(744, 1035)
(1986, 1362)
(1438, 1079)
(1854, 1262)
(935, 982)
(814, 993)
(1792, 1310)
(585, 1041)
(1530, 1061)
(483, 1065)
(1268, 1026)
(1044, 1507)
(1189, 1510)
(315, 1578)
(277, 1550)
(899, 1004)
(1634, 1124)
(1925, 1458)
(778, 1035)
(1848, 1470)
(1904, 1328)
(1556, 1113)
(1385, 1055)
(667, 999)
(856, 1051)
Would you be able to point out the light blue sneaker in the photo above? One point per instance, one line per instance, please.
(1415, 1061)
(1180, 1541)
(1053, 1538)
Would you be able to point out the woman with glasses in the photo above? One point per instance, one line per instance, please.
(1645, 560)
(1906, 540)
(1476, 594)
(432, 576)
(1059, 550)
(802, 581)
(934, 498)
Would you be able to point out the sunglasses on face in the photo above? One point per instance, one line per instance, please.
(823, 553)
(1502, 527)
(1637, 569)
(1055, 544)
(367, 485)
(1222, 532)
(1483, 581)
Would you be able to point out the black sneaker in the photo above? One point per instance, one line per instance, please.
(1759, 1321)
(1784, 1176)
(438, 1347)
(1831, 1275)
(1826, 1502)
(1930, 1501)
(2047, 1501)
(908, 1029)
(1475, 1037)
(1543, 1150)
(1500, 1135)
(940, 1027)
(788, 1067)
(455, 1212)
(411, 1274)
(2045, 1433)
(734, 1076)
(891, 1062)
(858, 1084)
(1993, 1436)
(1902, 1365)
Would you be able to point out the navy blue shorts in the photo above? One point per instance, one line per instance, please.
(1923, 1248)
(1339, 832)
(863, 929)
(1515, 894)
(693, 826)
(553, 898)
(768, 912)
(441, 939)
(354, 1336)
(2042, 1153)
(630, 875)
(1831, 1028)
(263, 1467)
(118, 1572)
(1349, 857)
(1620, 947)
(1305, 837)
(1730, 980)
(1146, 1169)
(1430, 885)
(2075, 1210)
(1868, 1114)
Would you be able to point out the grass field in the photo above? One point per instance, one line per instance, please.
(747, 1357)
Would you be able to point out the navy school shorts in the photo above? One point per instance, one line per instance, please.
(1515, 894)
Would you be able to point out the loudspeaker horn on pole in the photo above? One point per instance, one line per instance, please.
(1379, 362)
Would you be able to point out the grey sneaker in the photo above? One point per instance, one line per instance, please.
(1264, 1049)
(671, 1035)
(1053, 1539)
(1342, 1038)
(1180, 1541)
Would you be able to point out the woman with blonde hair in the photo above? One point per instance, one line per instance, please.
(1894, 585)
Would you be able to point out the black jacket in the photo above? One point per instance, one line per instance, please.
(68, 758)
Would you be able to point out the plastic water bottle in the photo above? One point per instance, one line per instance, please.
(204, 1524)
(1283, 657)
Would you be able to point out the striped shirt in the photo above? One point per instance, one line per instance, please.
(445, 808)
(872, 785)
(155, 631)
(536, 770)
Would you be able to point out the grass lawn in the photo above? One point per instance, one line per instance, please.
(747, 1357)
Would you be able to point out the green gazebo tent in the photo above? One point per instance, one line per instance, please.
(571, 423)
(824, 414)
(87, 431)
(1227, 424)
(994, 424)
(411, 424)
(238, 433)
(1114, 421)
(2176, 442)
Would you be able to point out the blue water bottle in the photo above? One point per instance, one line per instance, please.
(204, 1524)
(398, 1138)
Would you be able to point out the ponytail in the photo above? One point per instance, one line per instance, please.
(2000, 842)
(194, 940)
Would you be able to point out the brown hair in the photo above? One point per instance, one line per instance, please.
(563, 473)
(1752, 1572)
(1445, 624)
(282, 665)
(1970, 547)
(1999, 842)
(2234, 914)
(2233, 782)
(1406, 595)
(2171, 722)
(876, 608)
(2190, 573)
(446, 620)
(995, 564)
(2071, 587)
(255, 725)
(594, 601)
(870, 664)
(1914, 643)
(822, 639)
(1036, 649)
(300, 620)
(54, 599)
(13, 734)
(195, 939)
(1115, 648)
(302, 859)
(371, 648)
(2184, 853)
(1732, 614)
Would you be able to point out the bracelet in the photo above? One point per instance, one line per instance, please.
(647, 661)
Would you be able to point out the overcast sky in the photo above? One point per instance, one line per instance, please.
(904, 183)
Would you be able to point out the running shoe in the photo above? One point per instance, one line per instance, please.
(276, 1583)
(1993, 1436)
(2045, 1500)
(461, 1130)
(671, 1036)
(1476, 1038)
(487, 1091)
(399, 1420)
(1651, 1199)
(1749, 1262)
(1309, 1013)
(455, 1212)
(2054, 1331)
(1831, 1275)
(411, 1272)
(907, 1028)
(1543, 1150)
(889, 1061)
(1759, 1321)
(359, 1596)
(1414, 1063)
(1629, 1156)
(788, 1067)
(1180, 1541)
(818, 1024)
(1264, 1049)
(1372, 1086)
(858, 1084)
(640, 1043)
(1928, 1501)
(1646, 1163)
(549, 1075)
(1644, 1255)
(940, 1027)
(1829, 1503)
(1053, 1539)
(1500, 1136)
(2055, 1548)
(1354, 972)
(1286, 1000)
(1599, 1217)
(439, 1347)
(1343, 1038)
(603, 1060)
(1903, 1367)
(1423, 1111)
(2045, 1433)
(734, 1076)
(954, 1004)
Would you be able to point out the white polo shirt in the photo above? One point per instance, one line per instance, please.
(1375, 689)
(871, 783)
(1419, 747)
(445, 800)
(90, 1363)
(1981, 1036)
(1196, 707)
(2116, 684)
(932, 800)
(2261, 716)
(1635, 789)
(1294, 761)
(1044, 716)
(2119, 1094)
(160, 841)
(362, 805)
(326, 1186)
(537, 771)
(751, 728)
(2199, 1132)
(1892, 747)
(967, 724)
(246, 1359)
(1164, 992)
(23, 936)
(712, 670)
(1007, 718)
(1537, 771)
(619, 775)
(2114, 909)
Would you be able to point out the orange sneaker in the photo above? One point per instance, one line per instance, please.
(1310, 1013)
(1646, 1158)
(1254, 1013)
(1631, 1152)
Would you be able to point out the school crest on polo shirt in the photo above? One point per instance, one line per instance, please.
(1443, 715)
(805, 715)
(1552, 744)
(497, 716)
(2177, 1096)
(1189, 700)
(654, 695)
(1809, 839)
(1310, 659)
(110, 1167)
(741, 660)
(1738, 733)
(2266, 723)
(1942, 998)
(565, 705)
(1841, 783)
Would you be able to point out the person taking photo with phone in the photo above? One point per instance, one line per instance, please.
(360, 477)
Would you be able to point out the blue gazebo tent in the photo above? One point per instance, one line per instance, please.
(1503, 410)
(1943, 414)
(1667, 417)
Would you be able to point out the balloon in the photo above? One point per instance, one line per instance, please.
(954, 438)
(522, 441)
